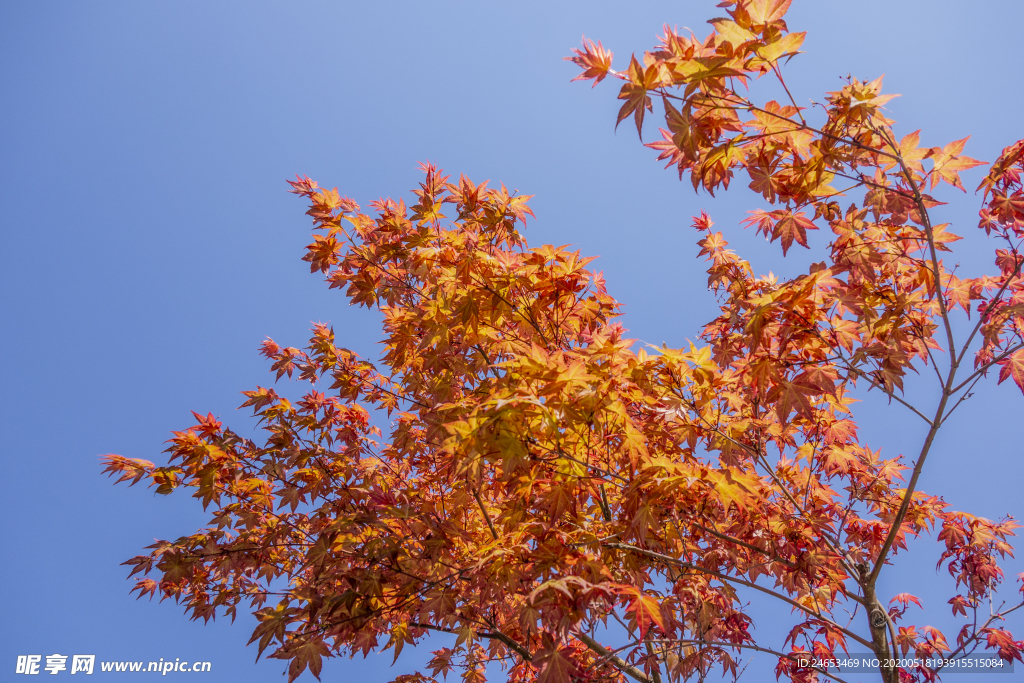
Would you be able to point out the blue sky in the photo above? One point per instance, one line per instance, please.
(149, 246)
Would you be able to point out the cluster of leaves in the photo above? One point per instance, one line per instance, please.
(545, 485)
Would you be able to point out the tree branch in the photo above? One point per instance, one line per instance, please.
(494, 634)
(756, 648)
(487, 517)
(621, 664)
(984, 368)
(741, 582)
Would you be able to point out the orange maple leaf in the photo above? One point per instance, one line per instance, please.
(948, 163)
(595, 61)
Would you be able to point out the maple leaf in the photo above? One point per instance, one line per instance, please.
(910, 153)
(702, 222)
(309, 654)
(784, 225)
(1007, 261)
(208, 424)
(595, 61)
(793, 227)
(303, 185)
(132, 470)
(948, 163)
(817, 380)
(732, 33)
(940, 237)
(906, 639)
(733, 488)
(786, 45)
(761, 12)
(839, 460)
(1009, 649)
(788, 398)
(1007, 208)
(273, 625)
(960, 605)
(762, 179)
(905, 599)
(415, 677)
(644, 611)
(634, 92)
(556, 665)
(442, 661)
(962, 292)
(1013, 367)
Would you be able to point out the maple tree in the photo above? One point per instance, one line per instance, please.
(575, 508)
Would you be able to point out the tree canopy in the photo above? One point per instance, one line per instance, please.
(517, 472)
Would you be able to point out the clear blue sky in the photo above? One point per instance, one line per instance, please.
(148, 243)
